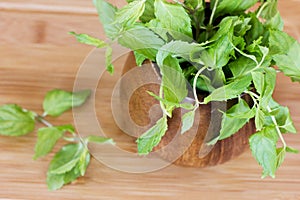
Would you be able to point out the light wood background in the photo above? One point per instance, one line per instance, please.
(37, 54)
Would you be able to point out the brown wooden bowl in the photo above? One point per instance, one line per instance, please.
(209, 119)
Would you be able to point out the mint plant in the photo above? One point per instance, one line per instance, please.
(72, 160)
(225, 49)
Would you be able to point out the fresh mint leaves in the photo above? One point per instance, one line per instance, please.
(130, 13)
(89, 40)
(47, 138)
(107, 16)
(235, 118)
(73, 159)
(230, 91)
(225, 50)
(187, 121)
(16, 121)
(58, 101)
(152, 137)
(229, 7)
(287, 58)
(66, 165)
(263, 147)
(173, 17)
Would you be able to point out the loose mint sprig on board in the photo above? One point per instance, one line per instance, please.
(72, 160)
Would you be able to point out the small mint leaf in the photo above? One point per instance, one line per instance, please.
(47, 138)
(263, 147)
(130, 13)
(152, 137)
(15, 121)
(58, 101)
(89, 40)
(66, 159)
(187, 121)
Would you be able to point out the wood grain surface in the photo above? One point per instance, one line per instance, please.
(37, 54)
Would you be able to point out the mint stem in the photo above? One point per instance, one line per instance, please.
(252, 94)
(277, 128)
(161, 103)
(43, 121)
(195, 85)
(213, 12)
(261, 9)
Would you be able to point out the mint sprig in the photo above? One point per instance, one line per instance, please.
(73, 158)
(224, 49)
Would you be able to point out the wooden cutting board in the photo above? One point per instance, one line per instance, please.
(37, 54)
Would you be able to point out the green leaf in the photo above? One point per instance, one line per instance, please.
(149, 11)
(280, 42)
(80, 97)
(291, 150)
(173, 17)
(254, 46)
(148, 14)
(285, 51)
(283, 119)
(271, 15)
(235, 118)
(58, 101)
(66, 128)
(204, 83)
(89, 40)
(218, 53)
(241, 26)
(71, 175)
(67, 165)
(130, 13)
(260, 119)
(280, 156)
(47, 138)
(173, 81)
(156, 26)
(276, 22)
(99, 139)
(15, 121)
(186, 106)
(55, 181)
(152, 137)
(79, 169)
(230, 91)
(176, 49)
(289, 63)
(187, 121)
(241, 66)
(139, 58)
(258, 80)
(83, 163)
(107, 15)
(226, 27)
(230, 7)
(258, 30)
(263, 147)
(141, 40)
(264, 82)
(195, 4)
(65, 159)
(108, 60)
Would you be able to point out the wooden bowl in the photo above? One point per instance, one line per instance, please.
(208, 120)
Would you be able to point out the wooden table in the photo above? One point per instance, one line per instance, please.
(37, 54)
